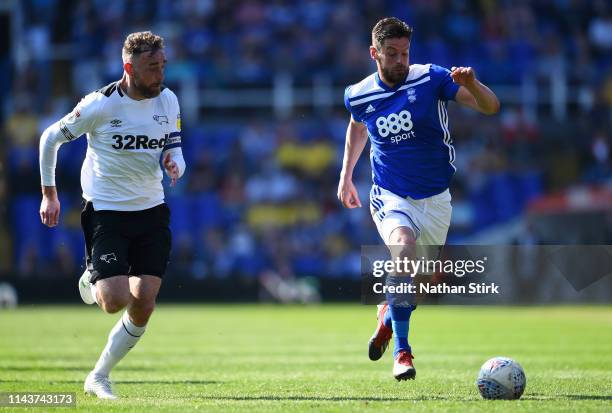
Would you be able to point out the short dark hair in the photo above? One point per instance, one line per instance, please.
(389, 28)
(140, 42)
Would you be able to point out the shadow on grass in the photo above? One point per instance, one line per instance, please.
(586, 397)
(45, 368)
(117, 381)
(335, 398)
(83, 368)
(400, 399)
(167, 382)
(540, 397)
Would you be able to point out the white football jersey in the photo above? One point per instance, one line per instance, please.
(125, 141)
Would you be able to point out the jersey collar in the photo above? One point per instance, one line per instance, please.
(119, 90)
(383, 85)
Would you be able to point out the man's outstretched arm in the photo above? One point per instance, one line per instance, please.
(473, 93)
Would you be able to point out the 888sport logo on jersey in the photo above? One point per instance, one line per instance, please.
(398, 125)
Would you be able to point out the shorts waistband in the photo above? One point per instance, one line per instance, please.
(441, 195)
(376, 190)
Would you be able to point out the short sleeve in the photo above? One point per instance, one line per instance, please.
(447, 89)
(83, 117)
(348, 105)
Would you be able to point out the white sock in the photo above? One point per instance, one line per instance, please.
(121, 339)
(94, 292)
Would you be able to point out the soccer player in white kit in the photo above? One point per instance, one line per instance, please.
(130, 124)
(401, 109)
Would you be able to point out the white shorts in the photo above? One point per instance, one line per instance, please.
(429, 218)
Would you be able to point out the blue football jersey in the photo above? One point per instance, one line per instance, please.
(411, 147)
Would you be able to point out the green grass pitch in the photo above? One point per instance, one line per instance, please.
(292, 358)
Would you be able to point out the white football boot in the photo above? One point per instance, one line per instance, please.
(85, 288)
(99, 386)
(403, 369)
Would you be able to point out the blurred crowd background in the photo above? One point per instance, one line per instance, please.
(261, 87)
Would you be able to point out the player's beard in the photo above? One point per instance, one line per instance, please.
(147, 92)
(396, 74)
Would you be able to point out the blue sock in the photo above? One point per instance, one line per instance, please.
(400, 321)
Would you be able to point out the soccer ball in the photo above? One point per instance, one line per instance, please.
(8, 296)
(501, 378)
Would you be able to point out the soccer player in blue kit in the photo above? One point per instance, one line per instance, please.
(401, 108)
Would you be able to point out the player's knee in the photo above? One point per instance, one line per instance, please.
(402, 243)
(114, 303)
(403, 237)
(141, 310)
(405, 251)
(112, 306)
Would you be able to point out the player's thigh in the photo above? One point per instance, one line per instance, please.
(106, 244)
(150, 250)
(397, 226)
(437, 221)
(395, 218)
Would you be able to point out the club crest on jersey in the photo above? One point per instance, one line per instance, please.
(160, 119)
(411, 95)
(115, 123)
(107, 258)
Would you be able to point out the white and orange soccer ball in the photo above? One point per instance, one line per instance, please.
(501, 378)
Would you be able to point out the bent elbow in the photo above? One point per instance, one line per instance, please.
(46, 140)
(182, 167)
(51, 137)
(494, 109)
